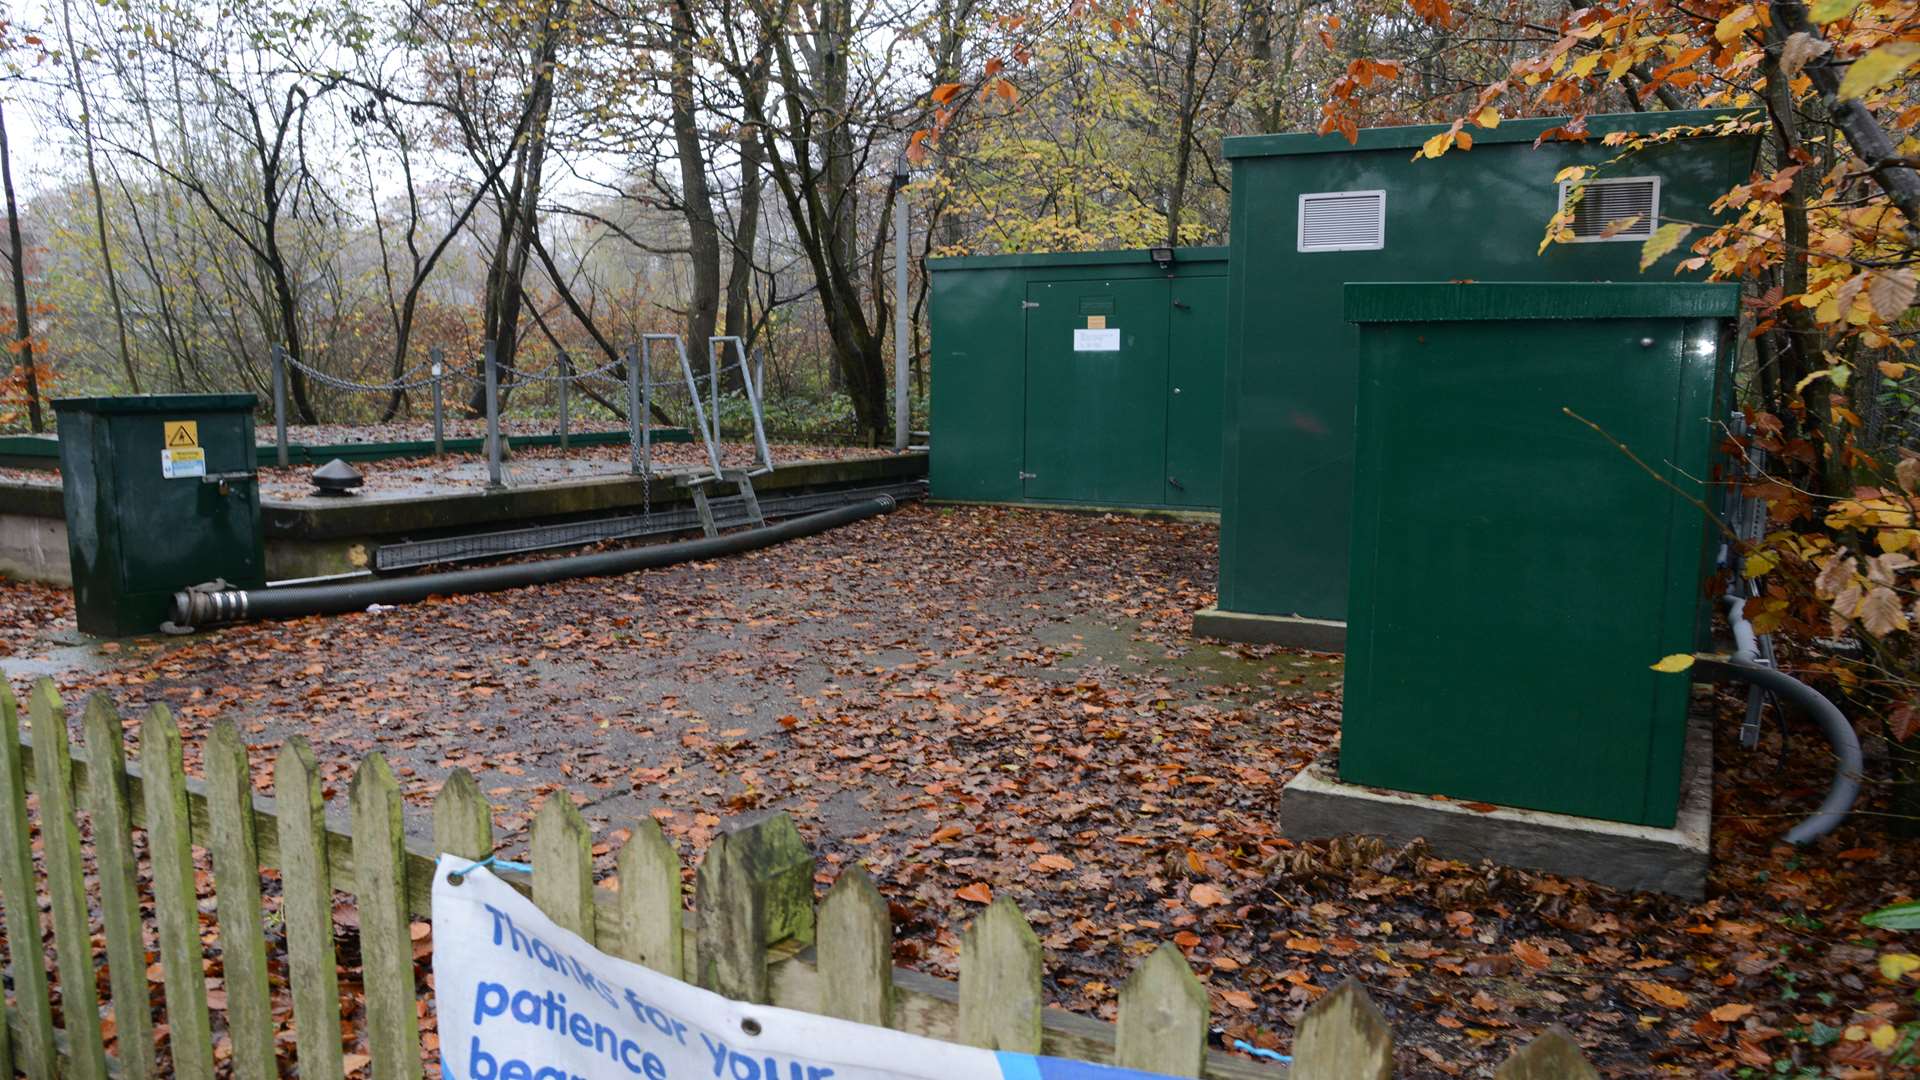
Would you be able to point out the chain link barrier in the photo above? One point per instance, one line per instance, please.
(406, 381)
(633, 371)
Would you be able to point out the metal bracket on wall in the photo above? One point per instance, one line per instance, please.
(1029, 476)
(1028, 304)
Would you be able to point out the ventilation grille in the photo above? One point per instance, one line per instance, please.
(1343, 221)
(1610, 201)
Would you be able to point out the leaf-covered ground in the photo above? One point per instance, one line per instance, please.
(977, 702)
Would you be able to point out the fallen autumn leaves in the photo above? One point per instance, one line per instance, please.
(980, 702)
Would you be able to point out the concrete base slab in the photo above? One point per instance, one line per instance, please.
(1316, 805)
(1294, 631)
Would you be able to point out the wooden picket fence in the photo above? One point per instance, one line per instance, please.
(757, 936)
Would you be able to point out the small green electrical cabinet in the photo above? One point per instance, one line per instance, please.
(160, 494)
(1080, 378)
(1515, 571)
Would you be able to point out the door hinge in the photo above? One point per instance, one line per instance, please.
(1028, 304)
(1029, 476)
(1175, 481)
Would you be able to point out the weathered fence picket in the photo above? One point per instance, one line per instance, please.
(652, 926)
(563, 866)
(116, 866)
(386, 938)
(24, 950)
(856, 951)
(307, 907)
(176, 907)
(66, 887)
(754, 938)
(236, 896)
(1000, 997)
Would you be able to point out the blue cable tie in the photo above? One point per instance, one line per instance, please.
(494, 862)
(1271, 1055)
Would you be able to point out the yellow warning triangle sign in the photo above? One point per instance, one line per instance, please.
(182, 433)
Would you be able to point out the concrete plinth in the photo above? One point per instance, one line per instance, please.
(1316, 805)
(1294, 631)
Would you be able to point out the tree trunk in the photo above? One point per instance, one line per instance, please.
(99, 203)
(17, 248)
(696, 195)
(506, 274)
(1183, 151)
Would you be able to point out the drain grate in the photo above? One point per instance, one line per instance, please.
(728, 511)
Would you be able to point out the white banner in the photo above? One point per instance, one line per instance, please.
(520, 998)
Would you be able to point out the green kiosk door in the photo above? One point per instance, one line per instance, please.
(1096, 391)
(1194, 373)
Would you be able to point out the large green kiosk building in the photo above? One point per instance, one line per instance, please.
(1313, 213)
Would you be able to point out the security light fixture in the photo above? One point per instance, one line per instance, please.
(1162, 257)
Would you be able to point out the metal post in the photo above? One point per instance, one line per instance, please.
(902, 346)
(280, 403)
(439, 408)
(636, 421)
(693, 391)
(714, 366)
(493, 418)
(763, 463)
(566, 380)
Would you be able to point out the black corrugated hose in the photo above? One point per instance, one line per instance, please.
(201, 607)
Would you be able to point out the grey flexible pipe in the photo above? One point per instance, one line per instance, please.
(205, 607)
(1833, 724)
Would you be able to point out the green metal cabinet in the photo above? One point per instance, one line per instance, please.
(1087, 378)
(1478, 215)
(1514, 573)
(160, 495)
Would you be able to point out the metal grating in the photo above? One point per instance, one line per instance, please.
(1627, 208)
(1343, 221)
(728, 511)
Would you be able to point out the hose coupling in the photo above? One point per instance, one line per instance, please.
(205, 605)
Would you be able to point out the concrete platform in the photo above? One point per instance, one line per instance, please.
(1293, 631)
(312, 536)
(1316, 805)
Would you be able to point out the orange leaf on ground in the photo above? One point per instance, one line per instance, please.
(1727, 1014)
(978, 893)
(1207, 895)
(1238, 999)
(1531, 955)
(1661, 994)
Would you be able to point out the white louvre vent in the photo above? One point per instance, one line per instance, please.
(1627, 208)
(1343, 221)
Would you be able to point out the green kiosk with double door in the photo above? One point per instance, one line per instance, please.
(1079, 378)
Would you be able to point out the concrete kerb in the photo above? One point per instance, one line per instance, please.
(1316, 805)
(1293, 631)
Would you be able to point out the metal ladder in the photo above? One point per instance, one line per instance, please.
(719, 512)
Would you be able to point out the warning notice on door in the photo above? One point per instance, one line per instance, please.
(186, 461)
(180, 434)
(1096, 341)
